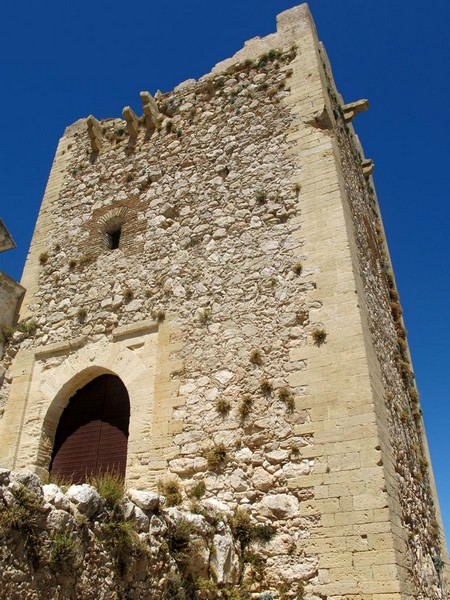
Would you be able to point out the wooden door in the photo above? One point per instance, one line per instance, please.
(92, 434)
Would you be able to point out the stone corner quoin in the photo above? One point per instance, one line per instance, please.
(223, 254)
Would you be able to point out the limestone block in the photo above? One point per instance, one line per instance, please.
(353, 108)
(280, 506)
(150, 109)
(54, 495)
(132, 121)
(29, 480)
(367, 167)
(95, 133)
(60, 520)
(262, 480)
(141, 519)
(224, 559)
(148, 501)
(85, 497)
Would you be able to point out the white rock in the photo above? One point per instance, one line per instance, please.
(157, 527)
(199, 522)
(277, 456)
(54, 495)
(182, 466)
(85, 497)
(281, 506)
(8, 497)
(128, 509)
(211, 394)
(29, 480)
(148, 501)
(262, 480)
(60, 520)
(223, 376)
(244, 455)
(296, 469)
(141, 519)
(187, 388)
(224, 559)
(50, 490)
(260, 77)
(200, 463)
(237, 481)
(216, 506)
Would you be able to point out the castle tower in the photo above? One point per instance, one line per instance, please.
(212, 281)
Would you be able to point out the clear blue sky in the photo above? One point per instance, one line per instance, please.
(62, 61)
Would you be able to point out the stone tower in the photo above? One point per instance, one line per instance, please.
(223, 256)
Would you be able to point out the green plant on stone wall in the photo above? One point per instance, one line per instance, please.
(241, 528)
(171, 490)
(22, 516)
(216, 457)
(263, 532)
(266, 386)
(297, 267)
(158, 315)
(256, 356)
(319, 336)
(261, 196)
(223, 407)
(174, 588)
(111, 487)
(245, 406)
(204, 315)
(62, 551)
(85, 259)
(198, 490)
(6, 333)
(286, 396)
(43, 258)
(295, 451)
(27, 327)
(119, 534)
(179, 540)
(128, 294)
(82, 313)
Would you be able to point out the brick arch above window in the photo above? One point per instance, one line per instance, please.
(111, 225)
(126, 215)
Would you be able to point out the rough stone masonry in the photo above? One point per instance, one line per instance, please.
(224, 255)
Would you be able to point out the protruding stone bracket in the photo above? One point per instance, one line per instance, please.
(367, 167)
(132, 123)
(95, 133)
(150, 109)
(352, 109)
(320, 119)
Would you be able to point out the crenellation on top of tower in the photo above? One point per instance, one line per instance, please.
(292, 24)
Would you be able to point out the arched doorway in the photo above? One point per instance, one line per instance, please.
(92, 433)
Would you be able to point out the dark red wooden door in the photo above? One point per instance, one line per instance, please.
(92, 434)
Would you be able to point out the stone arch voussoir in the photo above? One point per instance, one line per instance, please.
(74, 373)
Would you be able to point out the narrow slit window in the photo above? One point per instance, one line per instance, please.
(114, 238)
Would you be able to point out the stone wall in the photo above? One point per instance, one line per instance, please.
(247, 312)
(89, 542)
(416, 524)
